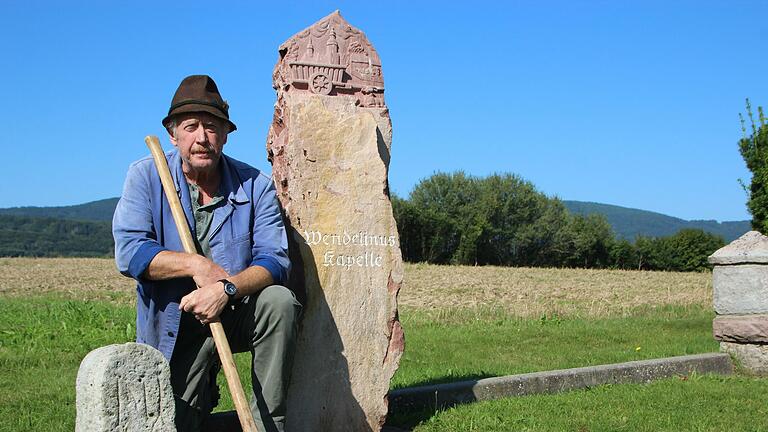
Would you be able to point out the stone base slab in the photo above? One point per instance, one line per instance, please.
(745, 329)
(752, 357)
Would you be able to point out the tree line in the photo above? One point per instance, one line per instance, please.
(455, 218)
(447, 219)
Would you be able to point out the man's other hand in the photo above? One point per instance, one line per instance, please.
(206, 302)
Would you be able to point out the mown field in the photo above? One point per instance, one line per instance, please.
(521, 292)
(460, 323)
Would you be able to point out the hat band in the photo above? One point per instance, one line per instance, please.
(199, 102)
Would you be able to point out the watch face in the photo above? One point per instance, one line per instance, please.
(230, 288)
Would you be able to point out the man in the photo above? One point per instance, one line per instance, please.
(237, 278)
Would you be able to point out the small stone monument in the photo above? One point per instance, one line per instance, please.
(329, 145)
(740, 283)
(124, 388)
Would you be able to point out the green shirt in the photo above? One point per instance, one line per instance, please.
(203, 218)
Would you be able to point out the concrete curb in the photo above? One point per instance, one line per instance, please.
(445, 395)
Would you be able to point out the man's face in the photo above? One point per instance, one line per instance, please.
(200, 137)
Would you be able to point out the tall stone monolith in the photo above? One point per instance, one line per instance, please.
(740, 283)
(329, 145)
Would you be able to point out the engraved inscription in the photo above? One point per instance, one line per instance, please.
(351, 250)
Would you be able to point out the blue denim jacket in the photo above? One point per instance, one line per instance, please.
(248, 230)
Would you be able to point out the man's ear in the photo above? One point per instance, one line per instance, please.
(172, 137)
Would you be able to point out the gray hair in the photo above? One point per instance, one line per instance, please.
(171, 126)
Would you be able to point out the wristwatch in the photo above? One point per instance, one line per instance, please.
(229, 289)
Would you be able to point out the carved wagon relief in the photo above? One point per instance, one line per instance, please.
(332, 58)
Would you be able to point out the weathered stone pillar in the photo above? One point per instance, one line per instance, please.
(740, 282)
(124, 388)
(329, 145)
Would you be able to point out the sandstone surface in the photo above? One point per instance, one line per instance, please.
(741, 328)
(124, 388)
(329, 145)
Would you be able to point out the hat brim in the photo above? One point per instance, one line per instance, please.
(196, 108)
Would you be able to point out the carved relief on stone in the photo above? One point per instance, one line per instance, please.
(331, 58)
(124, 388)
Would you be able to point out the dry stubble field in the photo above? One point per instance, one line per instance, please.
(524, 292)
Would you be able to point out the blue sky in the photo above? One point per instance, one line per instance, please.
(633, 103)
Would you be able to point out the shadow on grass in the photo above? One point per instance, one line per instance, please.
(408, 409)
(445, 379)
(408, 421)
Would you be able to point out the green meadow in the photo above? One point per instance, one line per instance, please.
(451, 334)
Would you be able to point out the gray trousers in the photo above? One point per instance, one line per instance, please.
(265, 325)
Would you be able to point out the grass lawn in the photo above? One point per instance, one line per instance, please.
(699, 403)
(451, 333)
(463, 344)
(43, 340)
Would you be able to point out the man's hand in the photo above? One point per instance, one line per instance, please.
(206, 302)
(206, 272)
(209, 299)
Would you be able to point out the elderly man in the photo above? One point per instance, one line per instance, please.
(238, 277)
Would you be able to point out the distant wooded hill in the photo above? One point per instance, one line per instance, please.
(84, 229)
(628, 223)
(52, 237)
(101, 210)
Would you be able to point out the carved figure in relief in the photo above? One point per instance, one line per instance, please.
(136, 392)
(335, 59)
(238, 277)
(293, 52)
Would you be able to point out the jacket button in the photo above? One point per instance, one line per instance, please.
(170, 334)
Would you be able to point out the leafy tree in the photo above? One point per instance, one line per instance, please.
(754, 149)
(503, 220)
(687, 250)
(424, 235)
(624, 255)
(500, 220)
(690, 249)
(446, 204)
(552, 233)
(591, 241)
(508, 212)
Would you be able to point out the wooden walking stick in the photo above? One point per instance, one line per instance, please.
(219, 337)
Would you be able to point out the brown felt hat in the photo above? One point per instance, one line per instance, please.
(198, 93)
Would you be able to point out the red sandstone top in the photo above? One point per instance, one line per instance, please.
(331, 57)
